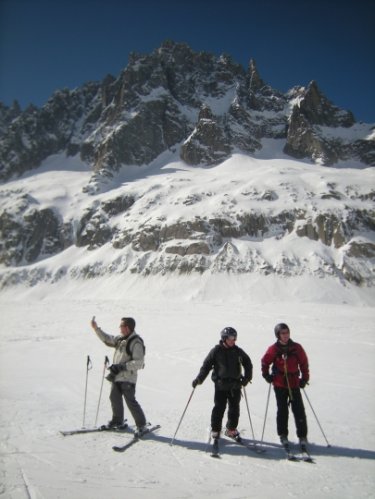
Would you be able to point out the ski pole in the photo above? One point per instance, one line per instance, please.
(316, 417)
(182, 417)
(88, 367)
(287, 378)
(106, 362)
(265, 415)
(248, 412)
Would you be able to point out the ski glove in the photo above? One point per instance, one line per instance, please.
(116, 368)
(196, 382)
(302, 383)
(244, 381)
(268, 378)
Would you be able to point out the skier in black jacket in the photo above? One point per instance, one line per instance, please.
(232, 369)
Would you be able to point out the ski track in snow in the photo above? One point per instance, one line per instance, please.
(44, 343)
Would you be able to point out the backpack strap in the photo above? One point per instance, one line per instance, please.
(133, 339)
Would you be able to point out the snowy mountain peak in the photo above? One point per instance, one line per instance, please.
(186, 163)
(153, 106)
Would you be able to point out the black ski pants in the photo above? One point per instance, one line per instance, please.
(283, 399)
(221, 399)
(126, 390)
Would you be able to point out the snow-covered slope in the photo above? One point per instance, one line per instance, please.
(44, 342)
(45, 336)
(260, 215)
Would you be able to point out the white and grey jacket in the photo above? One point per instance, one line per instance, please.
(130, 363)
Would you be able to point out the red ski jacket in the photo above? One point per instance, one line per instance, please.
(287, 360)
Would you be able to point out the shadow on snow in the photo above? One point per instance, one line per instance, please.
(273, 450)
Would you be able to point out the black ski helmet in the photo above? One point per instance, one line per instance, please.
(280, 327)
(227, 332)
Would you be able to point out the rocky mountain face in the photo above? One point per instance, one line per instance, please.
(203, 109)
(208, 107)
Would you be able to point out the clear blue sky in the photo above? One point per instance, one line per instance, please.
(50, 44)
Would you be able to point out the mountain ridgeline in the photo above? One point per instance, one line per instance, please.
(203, 109)
(207, 106)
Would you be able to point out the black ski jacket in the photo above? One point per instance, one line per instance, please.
(230, 367)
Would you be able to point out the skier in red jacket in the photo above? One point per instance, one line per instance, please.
(289, 373)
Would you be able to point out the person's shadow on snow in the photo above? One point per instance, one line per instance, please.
(268, 450)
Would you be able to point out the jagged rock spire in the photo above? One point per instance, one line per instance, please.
(255, 81)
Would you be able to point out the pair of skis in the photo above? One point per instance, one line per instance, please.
(215, 448)
(136, 438)
(116, 429)
(119, 429)
(304, 455)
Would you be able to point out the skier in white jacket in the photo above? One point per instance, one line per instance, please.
(128, 358)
